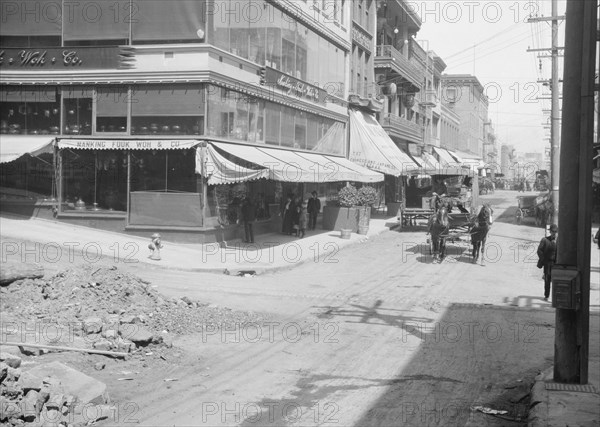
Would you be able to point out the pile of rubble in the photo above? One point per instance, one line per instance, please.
(104, 309)
(38, 397)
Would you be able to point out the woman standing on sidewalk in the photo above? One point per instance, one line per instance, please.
(287, 212)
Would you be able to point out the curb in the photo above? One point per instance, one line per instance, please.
(259, 270)
(538, 406)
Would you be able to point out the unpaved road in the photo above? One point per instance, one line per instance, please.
(380, 337)
(375, 335)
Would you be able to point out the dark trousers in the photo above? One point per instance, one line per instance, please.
(312, 220)
(547, 279)
(249, 232)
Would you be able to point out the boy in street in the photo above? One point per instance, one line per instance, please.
(313, 209)
(547, 257)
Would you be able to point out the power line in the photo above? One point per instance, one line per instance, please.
(509, 28)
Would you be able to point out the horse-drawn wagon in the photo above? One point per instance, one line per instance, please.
(538, 207)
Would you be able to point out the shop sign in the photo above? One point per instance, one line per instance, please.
(361, 39)
(60, 58)
(119, 144)
(295, 87)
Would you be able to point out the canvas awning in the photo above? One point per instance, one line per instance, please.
(220, 170)
(430, 166)
(371, 147)
(279, 165)
(14, 146)
(446, 158)
(127, 144)
(470, 161)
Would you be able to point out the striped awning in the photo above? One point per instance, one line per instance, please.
(228, 163)
(14, 146)
(127, 144)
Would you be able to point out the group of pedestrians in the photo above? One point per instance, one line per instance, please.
(299, 215)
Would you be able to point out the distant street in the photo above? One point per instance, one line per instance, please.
(374, 335)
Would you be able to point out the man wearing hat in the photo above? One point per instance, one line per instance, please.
(313, 209)
(547, 257)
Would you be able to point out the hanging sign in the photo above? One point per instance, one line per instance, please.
(122, 144)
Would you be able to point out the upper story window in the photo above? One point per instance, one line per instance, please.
(42, 23)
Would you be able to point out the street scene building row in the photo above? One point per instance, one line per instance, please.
(117, 117)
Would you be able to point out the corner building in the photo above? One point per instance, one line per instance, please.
(148, 115)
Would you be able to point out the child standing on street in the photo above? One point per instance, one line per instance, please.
(303, 221)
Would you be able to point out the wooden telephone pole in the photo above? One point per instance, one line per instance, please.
(571, 297)
(555, 109)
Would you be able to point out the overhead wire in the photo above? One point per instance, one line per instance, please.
(491, 52)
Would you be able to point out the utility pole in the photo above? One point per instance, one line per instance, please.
(555, 129)
(571, 274)
(555, 108)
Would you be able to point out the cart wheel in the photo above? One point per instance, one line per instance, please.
(519, 216)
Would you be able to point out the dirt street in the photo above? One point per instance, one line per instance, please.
(375, 335)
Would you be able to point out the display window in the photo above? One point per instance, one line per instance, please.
(236, 116)
(78, 106)
(33, 111)
(112, 106)
(167, 110)
(94, 180)
(28, 177)
(163, 170)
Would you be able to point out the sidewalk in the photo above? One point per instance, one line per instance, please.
(560, 405)
(52, 241)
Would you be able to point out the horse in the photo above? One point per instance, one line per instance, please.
(438, 228)
(480, 230)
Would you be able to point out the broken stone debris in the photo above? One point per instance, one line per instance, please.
(48, 394)
(99, 302)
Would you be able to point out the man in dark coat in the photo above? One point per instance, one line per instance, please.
(547, 257)
(313, 209)
(248, 214)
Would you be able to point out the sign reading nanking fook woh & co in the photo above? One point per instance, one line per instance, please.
(122, 144)
(60, 58)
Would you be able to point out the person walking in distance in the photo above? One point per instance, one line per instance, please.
(313, 209)
(248, 214)
(547, 257)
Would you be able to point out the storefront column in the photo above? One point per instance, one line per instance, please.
(128, 184)
(203, 182)
(60, 179)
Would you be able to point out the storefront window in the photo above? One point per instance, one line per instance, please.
(163, 170)
(312, 137)
(34, 111)
(256, 120)
(167, 109)
(94, 181)
(28, 177)
(273, 123)
(300, 130)
(111, 110)
(228, 114)
(77, 104)
(287, 126)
